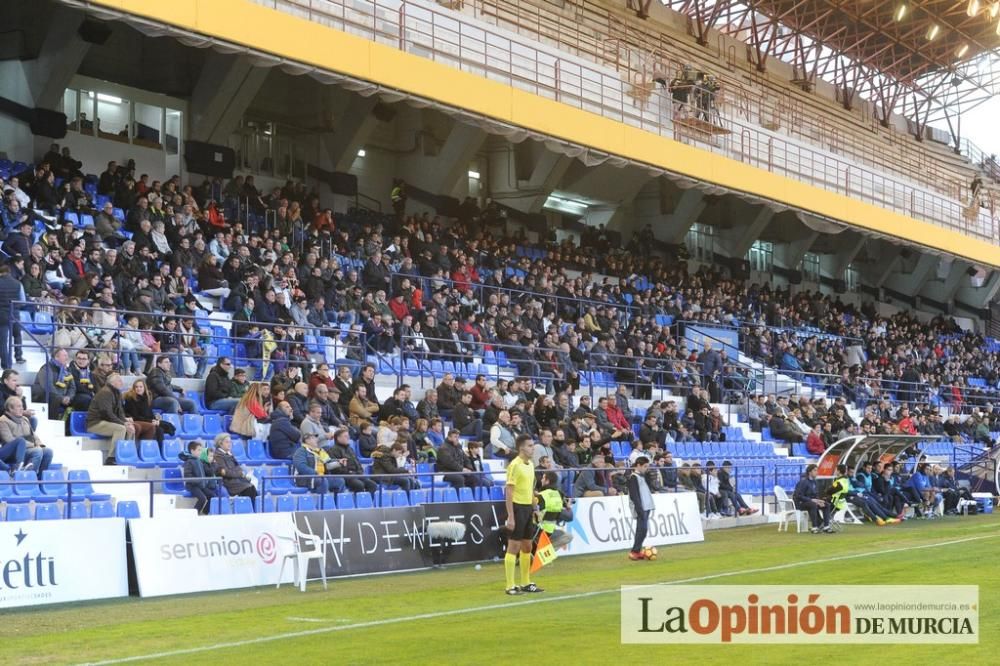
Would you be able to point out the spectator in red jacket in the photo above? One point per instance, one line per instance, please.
(480, 394)
(906, 424)
(814, 441)
(398, 307)
(615, 415)
(321, 376)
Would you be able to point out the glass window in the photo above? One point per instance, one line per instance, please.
(87, 112)
(761, 256)
(173, 131)
(70, 108)
(113, 115)
(148, 128)
(810, 267)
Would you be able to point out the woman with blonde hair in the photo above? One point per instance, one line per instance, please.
(253, 408)
(138, 407)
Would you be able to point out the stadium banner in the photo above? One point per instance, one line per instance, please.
(770, 614)
(51, 562)
(361, 541)
(606, 523)
(482, 521)
(697, 336)
(174, 554)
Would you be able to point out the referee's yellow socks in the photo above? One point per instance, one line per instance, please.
(509, 562)
(525, 569)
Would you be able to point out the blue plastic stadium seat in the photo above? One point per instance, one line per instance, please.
(242, 505)
(47, 512)
(211, 425)
(240, 452)
(27, 487)
(172, 449)
(496, 493)
(78, 510)
(307, 503)
(465, 495)
(449, 495)
(193, 426)
(127, 509)
(285, 503)
(345, 501)
(363, 500)
(127, 454)
(418, 496)
(174, 484)
(78, 425)
(54, 483)
(18, 512)
(149, 452)
(258, 452)
(101, 509)
(220, 506)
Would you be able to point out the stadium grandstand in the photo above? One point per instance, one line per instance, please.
(268, 265)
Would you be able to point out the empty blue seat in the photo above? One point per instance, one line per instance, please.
(173, 482)
(211, 424)
(465, 495)
(26, 487)
(78, 510)
(285, 503)
(172, 450)
(102, 509)
(149, 452)
(127, 454)
(193, 426)
(395, 498)
(220, 506)
(264, 504)
(418, 496)
(242, 505)
(363, 500)
(240, 452)
(54, 483)
(78, 425)
(127, 509)
(345, 501)
(496, 493)
(307, 503)
(258, 452)
(17, 512)
(70, 216)
(47, 512)
(449, 495)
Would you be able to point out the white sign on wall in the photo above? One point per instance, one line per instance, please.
(175, 554)
(606, 523)
(54, 561)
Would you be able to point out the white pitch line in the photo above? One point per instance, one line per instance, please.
(489, 607)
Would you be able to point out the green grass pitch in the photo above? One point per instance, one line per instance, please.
(460, 615)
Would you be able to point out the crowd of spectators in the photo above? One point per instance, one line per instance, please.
(430, 288)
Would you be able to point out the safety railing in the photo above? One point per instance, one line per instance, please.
(566, 305)
(72, 327)
(381, 489)
(444, 36)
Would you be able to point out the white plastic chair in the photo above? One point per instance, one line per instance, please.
(303, 547)
(786, 510)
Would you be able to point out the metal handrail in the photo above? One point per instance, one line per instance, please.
(441, 35)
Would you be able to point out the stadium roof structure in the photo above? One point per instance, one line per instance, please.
(924, 59)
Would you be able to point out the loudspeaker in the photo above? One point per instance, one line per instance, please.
(94, 32)
(794, 277)
(209, 159)
(840, 286)
(44, 122)
(384, 112)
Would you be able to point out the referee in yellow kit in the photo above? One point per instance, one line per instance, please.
(520, 500)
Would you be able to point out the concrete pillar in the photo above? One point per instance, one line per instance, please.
(913, 282)
(737, 241)
(58, 60)
(354, 126)
(791, 253)
(226, 87)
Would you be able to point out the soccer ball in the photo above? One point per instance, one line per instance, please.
(650, 553)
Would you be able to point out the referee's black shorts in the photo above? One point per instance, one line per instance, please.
(524, 523)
